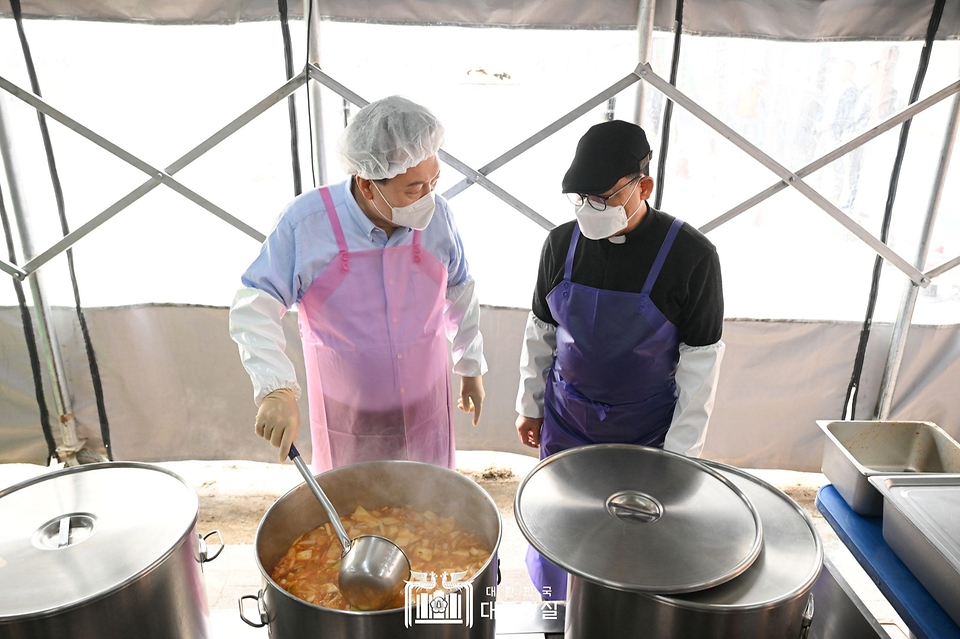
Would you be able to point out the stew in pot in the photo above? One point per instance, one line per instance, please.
(433, 544)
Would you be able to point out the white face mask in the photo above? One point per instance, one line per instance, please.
(416, 216)
(599, 225)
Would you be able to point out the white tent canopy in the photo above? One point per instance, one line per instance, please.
(153, 80)
(799, 19)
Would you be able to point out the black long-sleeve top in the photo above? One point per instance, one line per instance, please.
(688, 290)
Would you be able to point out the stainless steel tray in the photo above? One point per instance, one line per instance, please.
(857, 450)
(921, 524)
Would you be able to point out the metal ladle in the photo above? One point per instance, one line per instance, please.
(373, 569)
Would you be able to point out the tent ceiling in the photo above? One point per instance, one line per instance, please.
(781, 19)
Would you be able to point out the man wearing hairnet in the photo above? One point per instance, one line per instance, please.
(377, 269)
(623, 342)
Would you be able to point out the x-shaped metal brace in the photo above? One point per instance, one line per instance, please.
(472, 176)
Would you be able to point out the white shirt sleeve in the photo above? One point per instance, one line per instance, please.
(536, 358)
(255, 326)
(697, 376)
(463, 330)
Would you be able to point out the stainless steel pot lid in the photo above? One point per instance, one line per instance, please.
(637, 518)
(84, 531)
(789, 563)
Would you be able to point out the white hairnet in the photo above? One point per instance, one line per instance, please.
(387, 137)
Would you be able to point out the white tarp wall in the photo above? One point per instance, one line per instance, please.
(778, 378)
(156, 279)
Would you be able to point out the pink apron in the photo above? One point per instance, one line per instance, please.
(375, 353)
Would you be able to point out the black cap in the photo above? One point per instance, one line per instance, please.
(606, 153)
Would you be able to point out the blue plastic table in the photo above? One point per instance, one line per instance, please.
(863, 536)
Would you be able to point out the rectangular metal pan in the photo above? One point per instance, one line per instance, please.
(921, 524)
(856, 450)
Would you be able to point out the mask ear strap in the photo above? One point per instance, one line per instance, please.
(384, 199)
(630, 217)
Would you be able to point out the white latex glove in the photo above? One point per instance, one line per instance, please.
(536, 358)
(278, 420)
(697, 376)
(463, 330)
(255, 327)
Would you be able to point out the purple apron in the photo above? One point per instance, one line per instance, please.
(612, 380)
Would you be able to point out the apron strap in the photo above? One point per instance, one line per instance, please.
(337, 229)
(661, 257)
(568, 265)
(416, 247)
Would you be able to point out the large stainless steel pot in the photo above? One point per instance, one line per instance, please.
(769, 599)
(375, 485)
(103, 550)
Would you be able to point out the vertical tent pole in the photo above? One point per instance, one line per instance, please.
(909, 300)
(70, 444)
(292, 100)
(311, 12)
(668, 107)
(645, 41)
(853, 388)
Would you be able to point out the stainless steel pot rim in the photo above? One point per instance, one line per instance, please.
(69, 470)
(745, 563)
(359, 613)
(727, 608)
(131, 579)
(392, 462)
(721, 608)
(802, 588)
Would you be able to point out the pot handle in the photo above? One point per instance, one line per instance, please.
(264, 619)
(807, 617)
(204, 557)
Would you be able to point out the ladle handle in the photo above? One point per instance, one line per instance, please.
(318, 493)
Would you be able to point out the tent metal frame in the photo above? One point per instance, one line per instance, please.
(908, 302)
(70, 443)
(643, 71)
(318, 74)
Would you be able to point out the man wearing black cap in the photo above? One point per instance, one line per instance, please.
(623, 342)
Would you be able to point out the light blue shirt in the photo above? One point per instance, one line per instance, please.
(302, 243)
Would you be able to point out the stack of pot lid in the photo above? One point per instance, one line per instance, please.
(788, 564)
(82, 532)
(638, 519)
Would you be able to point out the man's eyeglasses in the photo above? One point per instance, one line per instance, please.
(597, 202)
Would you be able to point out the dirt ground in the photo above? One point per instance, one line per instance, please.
(227, 506)
(234, 496)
